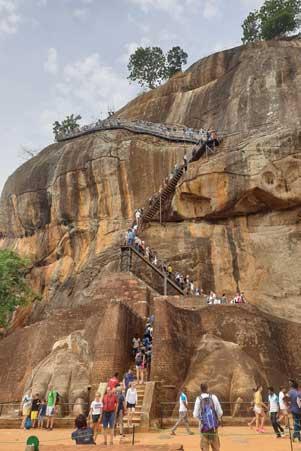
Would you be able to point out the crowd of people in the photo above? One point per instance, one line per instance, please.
(35, 410)
(208, 410)
(279, 407)
(142, 351)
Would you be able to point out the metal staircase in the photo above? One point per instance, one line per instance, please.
(127, 253)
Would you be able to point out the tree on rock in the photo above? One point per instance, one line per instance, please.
(276, 18)
(176, 58)
(14, 288)
(69, 124)
(149, 67)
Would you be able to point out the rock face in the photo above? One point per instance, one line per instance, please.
(232, 348)
(234, 222)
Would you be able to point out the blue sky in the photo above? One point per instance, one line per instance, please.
(69, 56)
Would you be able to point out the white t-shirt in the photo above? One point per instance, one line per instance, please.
(131, 396)
(282, 404)
(273, 401)
(96, 407)
(182, 401)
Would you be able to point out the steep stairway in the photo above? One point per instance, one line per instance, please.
(127, 253)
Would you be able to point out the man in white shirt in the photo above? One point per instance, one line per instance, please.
(273, 410)
(183, 413)
(210, 403)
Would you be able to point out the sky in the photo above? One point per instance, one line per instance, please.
(59, 57)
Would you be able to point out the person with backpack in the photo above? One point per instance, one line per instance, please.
(140, 365)
(294, 396)
(274, 411)
(183, 413)
(26, 408)
(83, 434)
(208, 411)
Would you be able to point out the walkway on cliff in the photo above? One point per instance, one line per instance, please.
(166, 131)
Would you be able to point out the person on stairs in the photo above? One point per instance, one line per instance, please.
(108, 416)
(131, 400)
(140, 364)
(183, 413)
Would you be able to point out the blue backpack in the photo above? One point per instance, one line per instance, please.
(207, 415)
(28, 423)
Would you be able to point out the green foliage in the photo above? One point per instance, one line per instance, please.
(274, 19)
(149, 67)
(176, 58)
(251, 28)
(69, 124)
(14, 289)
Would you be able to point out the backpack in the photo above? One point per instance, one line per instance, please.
(138, 359)
(207, 415)
(298, 399)
(28, 423)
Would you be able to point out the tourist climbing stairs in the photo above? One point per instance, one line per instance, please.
(161, 198)
(127, 253)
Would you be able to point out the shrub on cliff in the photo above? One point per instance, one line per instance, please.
(68, 125)
(14, 288)
(274, 19)
(149, 67)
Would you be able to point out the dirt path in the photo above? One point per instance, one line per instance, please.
(232, 439)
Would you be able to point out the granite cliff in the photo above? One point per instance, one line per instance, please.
(234, 222)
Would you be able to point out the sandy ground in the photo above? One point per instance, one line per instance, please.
(232, 439)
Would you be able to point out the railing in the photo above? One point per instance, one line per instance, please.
(230, 409)
(165, 131)
(12, 409)
(126, 265)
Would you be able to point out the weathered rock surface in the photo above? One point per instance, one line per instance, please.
(233, 348)
(237, 211)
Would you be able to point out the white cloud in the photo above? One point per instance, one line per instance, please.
(51, 64)
(80, 13)
(87, 87)
(252, 3)
(9, 17)
(179, 9)
(210, 9)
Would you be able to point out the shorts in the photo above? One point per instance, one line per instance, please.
(95, 418)
(26, 411)
(258, 410)
(130, 406)
(41, 418)
(34, 415)
(108, 419)
(50, 411)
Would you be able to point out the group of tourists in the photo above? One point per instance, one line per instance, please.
(279, 406)
(208, 410)
(142, 351)
(35, 410)
(213, 299)
(119, 400)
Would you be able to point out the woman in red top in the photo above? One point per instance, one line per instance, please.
(108, 414)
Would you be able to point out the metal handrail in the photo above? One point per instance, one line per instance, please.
(157, 270)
